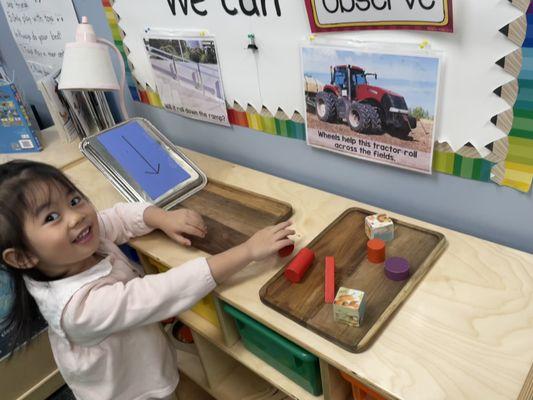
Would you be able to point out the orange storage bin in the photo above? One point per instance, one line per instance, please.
(360, 391)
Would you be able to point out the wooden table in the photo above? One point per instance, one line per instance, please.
(465, 333)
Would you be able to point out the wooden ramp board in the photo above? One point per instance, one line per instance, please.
(232, 215)
(345, 239)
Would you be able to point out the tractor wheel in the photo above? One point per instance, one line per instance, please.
(403, 132)
(406, 128)
(375, 119)
(325, 107)
(358, 117)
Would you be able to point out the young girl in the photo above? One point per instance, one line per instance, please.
(102, 312)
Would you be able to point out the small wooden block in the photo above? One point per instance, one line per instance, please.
(349, 306)
(397, 268)
(376, 251)
(329, 280)
(379, 226)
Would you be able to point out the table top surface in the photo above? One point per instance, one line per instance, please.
(466, 332)
(55, 152)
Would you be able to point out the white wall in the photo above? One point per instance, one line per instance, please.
(481, 209)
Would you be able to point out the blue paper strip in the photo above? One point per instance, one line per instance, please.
(143, 159)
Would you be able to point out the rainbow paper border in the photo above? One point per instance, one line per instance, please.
(519, 161)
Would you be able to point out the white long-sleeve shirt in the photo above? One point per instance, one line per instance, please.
(103, 322)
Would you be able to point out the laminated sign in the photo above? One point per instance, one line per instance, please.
(339, 15)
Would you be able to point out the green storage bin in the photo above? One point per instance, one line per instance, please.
(291, 360)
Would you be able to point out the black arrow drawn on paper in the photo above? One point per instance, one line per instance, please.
(154, 171)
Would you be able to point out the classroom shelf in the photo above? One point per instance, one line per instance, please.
(188, 389)
(189, 364)
(238, 352)
(241, 383)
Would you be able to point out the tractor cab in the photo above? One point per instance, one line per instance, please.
(347, 78)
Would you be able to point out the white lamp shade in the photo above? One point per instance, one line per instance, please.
(87, 65)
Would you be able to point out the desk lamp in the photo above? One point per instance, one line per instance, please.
(87, 64)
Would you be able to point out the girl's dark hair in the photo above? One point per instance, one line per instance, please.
(19, 182)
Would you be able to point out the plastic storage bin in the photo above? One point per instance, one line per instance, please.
(360, 391)
(205, 307)
(294, 362)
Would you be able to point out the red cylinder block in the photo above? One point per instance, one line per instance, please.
(286, 251)
(299, 265)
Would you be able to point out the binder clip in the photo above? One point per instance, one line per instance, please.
(424, 44)
(251, 45)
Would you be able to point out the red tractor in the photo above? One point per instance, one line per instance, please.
(366, 108)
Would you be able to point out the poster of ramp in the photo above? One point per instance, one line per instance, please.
(378, 106)
(187, 76)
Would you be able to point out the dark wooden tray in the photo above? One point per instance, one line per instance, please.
(345, 239)
(232, 215)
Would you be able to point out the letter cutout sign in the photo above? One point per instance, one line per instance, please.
(340, 15)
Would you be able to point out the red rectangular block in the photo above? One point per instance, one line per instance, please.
(329, 280)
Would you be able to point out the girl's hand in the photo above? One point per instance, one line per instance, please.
(178, 222)
(175, 223)
(269, 240)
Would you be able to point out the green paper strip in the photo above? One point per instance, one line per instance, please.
(524, 124)
(269, 124)
(281, 127)
(467, 167)
(297, 130)
(443, 162)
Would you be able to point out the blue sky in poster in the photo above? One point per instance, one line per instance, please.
(143, 159)
(413, 77)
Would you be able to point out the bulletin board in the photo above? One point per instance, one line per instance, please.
(263, 88)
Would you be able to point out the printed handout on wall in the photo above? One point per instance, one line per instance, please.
(41, 29)
(372, 105)
(188, 77)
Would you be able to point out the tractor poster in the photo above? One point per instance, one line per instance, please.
(375, 106)
(187, 76)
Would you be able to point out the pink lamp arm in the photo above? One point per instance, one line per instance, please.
(122, 103)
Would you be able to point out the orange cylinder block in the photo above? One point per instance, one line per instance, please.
(376, 251)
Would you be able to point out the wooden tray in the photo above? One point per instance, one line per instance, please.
(345, 239)
(527, 390)
(232, 215)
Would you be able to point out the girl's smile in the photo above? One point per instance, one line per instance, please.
(84, 237)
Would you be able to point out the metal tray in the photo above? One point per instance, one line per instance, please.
(120, 176)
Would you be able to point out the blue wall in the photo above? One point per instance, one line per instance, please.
(456, 203)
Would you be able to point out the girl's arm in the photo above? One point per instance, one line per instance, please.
(264, 243)
(96, 312)
(128, 220)
(123, 221)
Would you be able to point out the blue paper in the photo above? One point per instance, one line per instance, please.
(143, 159)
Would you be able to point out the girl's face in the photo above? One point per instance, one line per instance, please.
(62, 232)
